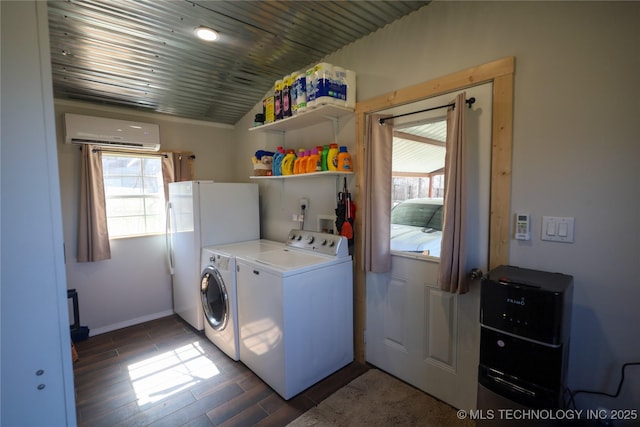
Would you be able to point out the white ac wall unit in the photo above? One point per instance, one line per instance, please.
(111, 133)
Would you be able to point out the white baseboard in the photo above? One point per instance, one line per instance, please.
(130, 322)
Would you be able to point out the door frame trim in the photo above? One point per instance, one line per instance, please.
(501, 74)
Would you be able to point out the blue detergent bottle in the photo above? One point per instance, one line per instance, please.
(276, 165)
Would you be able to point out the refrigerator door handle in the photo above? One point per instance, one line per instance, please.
(169, 238)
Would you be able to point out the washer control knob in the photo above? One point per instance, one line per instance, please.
(331, 243)
(310, 239)
(324, 242)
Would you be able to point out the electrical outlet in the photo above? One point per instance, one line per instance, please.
(305, 203)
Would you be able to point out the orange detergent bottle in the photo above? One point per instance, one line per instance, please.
(313, 163)
(344, 160)
(297, 166)
(301, 163)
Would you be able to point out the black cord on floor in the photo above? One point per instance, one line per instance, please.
(572, 394)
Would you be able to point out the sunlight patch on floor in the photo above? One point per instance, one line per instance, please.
(161, 376)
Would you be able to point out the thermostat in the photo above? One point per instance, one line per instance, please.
(523, 226)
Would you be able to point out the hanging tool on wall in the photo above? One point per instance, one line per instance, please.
(345, 214)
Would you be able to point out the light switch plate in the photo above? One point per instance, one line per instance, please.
(557, 229)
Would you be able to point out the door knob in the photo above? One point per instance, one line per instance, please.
(475, 274)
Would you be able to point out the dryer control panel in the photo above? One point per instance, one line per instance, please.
(323, 243)
(219, 260)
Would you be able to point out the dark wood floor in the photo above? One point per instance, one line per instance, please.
(164, 373)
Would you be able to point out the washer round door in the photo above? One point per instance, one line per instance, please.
(214, 297)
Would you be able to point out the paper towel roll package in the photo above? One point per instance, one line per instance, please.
(299, 93)
(311, 94)
(333, 85)
(338, 86)
(323, 83)
(342, 88)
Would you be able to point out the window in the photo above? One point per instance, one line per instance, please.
(134, 193)
(418, 187)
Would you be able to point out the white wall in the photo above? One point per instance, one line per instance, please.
(575, 153)
(135, 285)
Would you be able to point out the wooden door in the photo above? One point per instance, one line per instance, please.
(415, 331)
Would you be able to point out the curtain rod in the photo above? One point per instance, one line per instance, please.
(469, 102)
(131, 153)
(165, 155)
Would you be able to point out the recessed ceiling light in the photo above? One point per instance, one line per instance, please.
(207, 34)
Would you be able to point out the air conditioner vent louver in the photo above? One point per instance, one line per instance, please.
(111, 133)
(135, 145)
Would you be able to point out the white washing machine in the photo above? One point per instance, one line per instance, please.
(295, 307)
(218, 292)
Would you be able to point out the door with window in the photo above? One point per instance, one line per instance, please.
(425, 336)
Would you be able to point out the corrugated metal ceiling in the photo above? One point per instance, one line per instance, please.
(143, 54)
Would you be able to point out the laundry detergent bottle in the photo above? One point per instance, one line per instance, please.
(323, 158)
(313, 163)
(299, 162)
(304, 163)
(276, 166)
(344, 160)
(287, 162)
(332, 157)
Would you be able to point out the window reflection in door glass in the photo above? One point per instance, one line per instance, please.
(418, 187)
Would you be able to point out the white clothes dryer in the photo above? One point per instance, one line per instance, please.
(295, 307)
(218, 291)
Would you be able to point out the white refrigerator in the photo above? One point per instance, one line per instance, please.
(204, 213)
